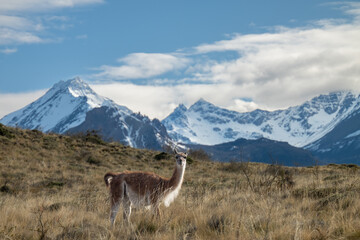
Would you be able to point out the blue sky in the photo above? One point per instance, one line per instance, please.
(153, 55)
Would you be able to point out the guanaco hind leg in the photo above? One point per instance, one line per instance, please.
(127, 210)
(116, 197)
(115, 205)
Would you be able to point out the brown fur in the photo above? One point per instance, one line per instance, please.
(141, 182)
(145, 187)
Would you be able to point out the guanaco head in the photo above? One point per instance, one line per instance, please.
(180, 158)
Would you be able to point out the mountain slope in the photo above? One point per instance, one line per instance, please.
(205, 123)
(342, 144)
(133, 129)
(259, 150)
(72, 106)
(61, 108)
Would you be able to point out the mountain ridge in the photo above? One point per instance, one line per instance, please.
(205, 123)
(66, 106)
(258, 150)
(63, 106)
(317, 125)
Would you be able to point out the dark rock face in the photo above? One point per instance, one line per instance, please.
(260, 150)
(134, 130)
(342, 144)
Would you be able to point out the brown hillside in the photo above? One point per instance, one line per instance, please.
(51, 187)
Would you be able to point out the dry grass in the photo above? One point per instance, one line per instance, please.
(51, 187)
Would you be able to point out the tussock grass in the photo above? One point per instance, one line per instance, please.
(51, 187)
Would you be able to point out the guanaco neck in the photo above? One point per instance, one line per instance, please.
(177, 177)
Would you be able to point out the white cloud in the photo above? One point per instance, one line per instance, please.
(159, 101)
(15, 30)
(351, 8)
(143, 65)
(57, 18)
(291, 63)
(243, 106)
(277, 69)
(11, 37)
(11, 102)
(41, 5)
(19, 23)
(149, 100)
(8, 50)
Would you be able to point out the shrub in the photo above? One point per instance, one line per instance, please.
(217, 223)
(352, 166)
(200, 155)
(92, 160)
(5, 189)
(93, 137)
(161, 156)
(274, 176)
(233, 166)
(5, 132)
(282, 177)
(49, 142)
(90, 136)
(55, 184)
(189, 160)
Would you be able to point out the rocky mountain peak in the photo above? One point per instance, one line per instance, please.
(205, 123)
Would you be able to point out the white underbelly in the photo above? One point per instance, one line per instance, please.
(138, 201)
(170, 197)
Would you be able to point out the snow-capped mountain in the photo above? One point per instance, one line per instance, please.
(205, 123)
(133, 129)
(327, 125)
(67, 105)
(62, 107)
(341, 144)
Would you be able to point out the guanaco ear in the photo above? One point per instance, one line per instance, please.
(175, 151)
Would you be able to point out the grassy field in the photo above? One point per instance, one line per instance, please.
(51, 187)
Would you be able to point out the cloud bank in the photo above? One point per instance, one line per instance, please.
(290, 63)
(21, 21)
(41, 5)
(278, 68)
(143, 65)
(10, 102)
(275, 69)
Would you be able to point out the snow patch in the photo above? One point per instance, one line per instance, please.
(354, 134)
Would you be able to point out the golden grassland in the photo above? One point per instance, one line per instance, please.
(51, 187)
